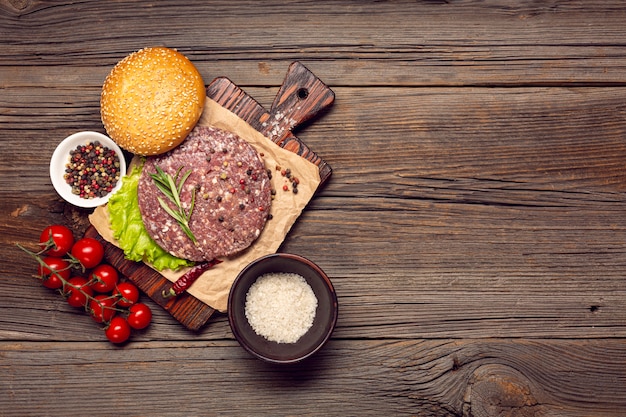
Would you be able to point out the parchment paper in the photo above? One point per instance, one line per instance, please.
(214, 285)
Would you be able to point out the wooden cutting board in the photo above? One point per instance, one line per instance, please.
(301, 97)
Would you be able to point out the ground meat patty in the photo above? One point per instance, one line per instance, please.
(232, 195)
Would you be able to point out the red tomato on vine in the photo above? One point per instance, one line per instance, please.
(106, 278)
(127, 293)
(139, 316)
(88, 251)
(56, 240)
(118, 330)
(53, 271)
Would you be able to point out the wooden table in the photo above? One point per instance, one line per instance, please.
(474, 226)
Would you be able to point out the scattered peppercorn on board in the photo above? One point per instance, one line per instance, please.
(301, 97)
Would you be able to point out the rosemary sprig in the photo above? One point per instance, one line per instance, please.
(171, 187)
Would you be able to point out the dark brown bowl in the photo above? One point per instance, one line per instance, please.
(323, 323)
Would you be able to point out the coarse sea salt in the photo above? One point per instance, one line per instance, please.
(281, 307)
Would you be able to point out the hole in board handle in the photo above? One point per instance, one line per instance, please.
(303, 93)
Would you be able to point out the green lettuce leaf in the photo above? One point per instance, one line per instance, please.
(128, 228)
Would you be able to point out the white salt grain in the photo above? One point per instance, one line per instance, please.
(281, 307)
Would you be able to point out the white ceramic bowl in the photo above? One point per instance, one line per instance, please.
(61, 156)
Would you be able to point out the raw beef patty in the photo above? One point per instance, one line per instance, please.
(232, 195)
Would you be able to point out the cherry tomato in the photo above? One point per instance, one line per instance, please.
(106, 278)
(56, 240)
(53, 282)
(88, 251)
(118, 330)
(76, 297)
(102, 308)
(49, 278)
(128, 294)
(139, 316)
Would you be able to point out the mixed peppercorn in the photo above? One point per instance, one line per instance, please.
(286, 172)
(93, 170)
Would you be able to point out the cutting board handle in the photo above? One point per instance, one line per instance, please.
(301, 96)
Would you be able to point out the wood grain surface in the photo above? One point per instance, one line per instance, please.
(474, 226)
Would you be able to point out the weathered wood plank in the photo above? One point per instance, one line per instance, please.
(368, 43)
(386, 377)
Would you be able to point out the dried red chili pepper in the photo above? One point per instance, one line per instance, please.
(188, 278)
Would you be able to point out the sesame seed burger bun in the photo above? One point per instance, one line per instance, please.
(151, 100)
